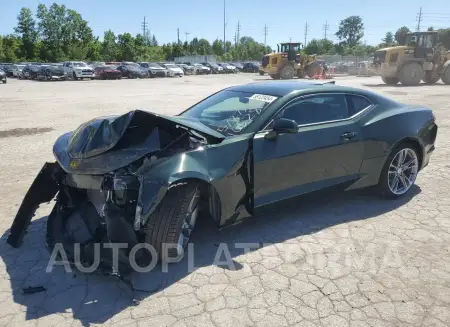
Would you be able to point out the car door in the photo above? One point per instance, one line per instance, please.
(326, 150)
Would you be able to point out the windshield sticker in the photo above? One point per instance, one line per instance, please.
(263, 97)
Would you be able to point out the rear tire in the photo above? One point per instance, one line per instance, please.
(390, 80)
(173, 220)
(431, 77)
(275, 76)
(287, 72)
(446, 76)
(389, 171)
(411, 74)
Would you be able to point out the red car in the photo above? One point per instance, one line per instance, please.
(107, 72)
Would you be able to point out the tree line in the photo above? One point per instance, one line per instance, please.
(57, 33)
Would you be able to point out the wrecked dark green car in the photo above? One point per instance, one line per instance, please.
(144, 178)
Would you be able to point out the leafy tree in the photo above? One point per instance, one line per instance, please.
(26, 28)
(154, 42)
(126, 44)
(11, 48)
(430, 29)
(351, 30)
(388, 38)
(400, 35)
(318, 47)
(108, 48)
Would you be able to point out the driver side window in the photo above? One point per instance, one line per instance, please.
(316, 109)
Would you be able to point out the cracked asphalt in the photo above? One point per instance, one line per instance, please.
(343, 260)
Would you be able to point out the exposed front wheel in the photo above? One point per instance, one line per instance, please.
(173, 220)
(399, 172)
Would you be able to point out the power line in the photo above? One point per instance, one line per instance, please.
(326, 27)
(265, 34)
(419, 19)
(306, 32)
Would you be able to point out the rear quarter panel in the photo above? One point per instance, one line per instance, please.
(383, 129)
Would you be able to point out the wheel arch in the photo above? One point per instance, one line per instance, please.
(415, 143)
(208, 193)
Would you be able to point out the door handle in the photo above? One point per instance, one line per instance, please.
(348, 135)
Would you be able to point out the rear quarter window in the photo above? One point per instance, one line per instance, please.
(357, 104)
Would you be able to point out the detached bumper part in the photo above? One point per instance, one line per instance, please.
(42, 190)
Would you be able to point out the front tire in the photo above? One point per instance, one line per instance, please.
(313, 69)
(399, 172)
(431, 77)
(446, 76)
(287, 72)
(174, 219)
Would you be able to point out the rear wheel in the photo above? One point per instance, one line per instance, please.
(431, 77)
(287, 72)
(275, 76)
(389, 80)
(411, 74)
(174, 219)
(75, 76)
(399, 172)
(446, 76)
(313, 69)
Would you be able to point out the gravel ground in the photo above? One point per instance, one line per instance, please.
(353, 260)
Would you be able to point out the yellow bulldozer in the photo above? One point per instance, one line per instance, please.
(288, 63)
(422, 58)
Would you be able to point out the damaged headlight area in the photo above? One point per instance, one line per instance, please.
(106, 190)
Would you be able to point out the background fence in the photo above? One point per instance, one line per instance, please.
(352, 65)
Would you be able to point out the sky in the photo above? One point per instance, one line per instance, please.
(285, 20)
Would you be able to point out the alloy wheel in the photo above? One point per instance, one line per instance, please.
(402, 171)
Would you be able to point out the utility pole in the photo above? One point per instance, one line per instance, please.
(326, 27)
(178, 35)
(306, 32)
(224, 24)
(186, 33)
(238, 32)
(265, 34)
(419, 19)
(144, 30)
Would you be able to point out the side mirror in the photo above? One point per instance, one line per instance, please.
(282, 125)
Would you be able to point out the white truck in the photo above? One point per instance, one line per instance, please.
(78, 70)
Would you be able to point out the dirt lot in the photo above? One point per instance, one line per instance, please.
(352, 260)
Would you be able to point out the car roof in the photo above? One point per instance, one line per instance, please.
(285, 87)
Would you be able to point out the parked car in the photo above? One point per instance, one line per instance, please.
(151, 175)
(228, 68)
(215, 68)
(107, 72)
(7, 68)
(172, 69)
(154, 69)
(251, 67)
(78, 70)
(201, 69)
(187, 69)
(17, 70)
(3, 76)
(52, 72)
(95, 64)
(239, 66)
(31, 71)
(132, 71)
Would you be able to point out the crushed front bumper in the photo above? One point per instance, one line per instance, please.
(42, 190)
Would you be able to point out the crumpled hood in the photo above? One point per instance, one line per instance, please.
(105, 144)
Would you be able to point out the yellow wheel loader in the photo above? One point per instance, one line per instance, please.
(422, 58)
(288, 63)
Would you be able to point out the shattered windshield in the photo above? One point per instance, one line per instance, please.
(230, 112)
